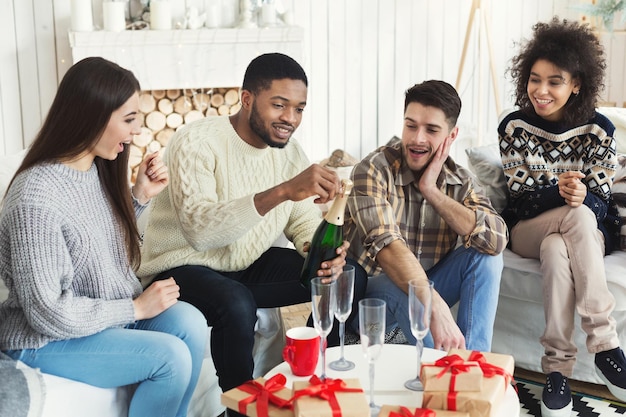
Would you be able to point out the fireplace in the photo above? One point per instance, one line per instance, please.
(184, 74)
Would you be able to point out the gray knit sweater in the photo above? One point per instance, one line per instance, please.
(63, 259)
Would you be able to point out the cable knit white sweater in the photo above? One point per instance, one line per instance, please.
(63, 259)
(206, 215)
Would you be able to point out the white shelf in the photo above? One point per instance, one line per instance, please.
(164, 59)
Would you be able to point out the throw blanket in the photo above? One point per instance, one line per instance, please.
(21, 389)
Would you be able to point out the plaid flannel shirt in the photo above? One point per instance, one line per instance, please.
(386, 205)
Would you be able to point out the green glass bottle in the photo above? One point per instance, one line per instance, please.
(327, 238)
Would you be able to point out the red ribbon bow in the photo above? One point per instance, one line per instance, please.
(419, 412)
(490, 370)
(454, 364)
(326, 390)
(263, 394)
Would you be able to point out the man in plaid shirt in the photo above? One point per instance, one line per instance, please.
(415, 214)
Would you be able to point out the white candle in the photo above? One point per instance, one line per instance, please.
(213, 16)
(268, 14)
(82, 17)
(113, 16)
(230, 13)
(160, 15)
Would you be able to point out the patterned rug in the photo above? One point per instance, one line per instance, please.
(584, 406)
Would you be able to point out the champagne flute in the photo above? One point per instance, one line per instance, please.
(420, 307)
(323, 311)
(372, 330)
(345, 296)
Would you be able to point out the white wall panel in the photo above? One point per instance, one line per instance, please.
(368, 79)
(350, 123)
(360, 57)
(11, 134)
(386, 85)
(338, 18)
(26, 43)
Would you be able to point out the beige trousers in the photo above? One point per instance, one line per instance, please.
(570, 248)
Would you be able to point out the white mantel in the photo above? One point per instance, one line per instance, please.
(173, 59)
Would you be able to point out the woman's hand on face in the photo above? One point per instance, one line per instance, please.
(152, 178)
(157, 298)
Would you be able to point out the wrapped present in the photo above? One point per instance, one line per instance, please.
(261, 398)
(498, 373)
(399, 411)
(452, 373)
(492, 364)
(329, 398)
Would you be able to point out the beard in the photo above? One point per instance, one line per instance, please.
(256, 124)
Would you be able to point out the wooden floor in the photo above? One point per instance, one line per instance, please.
(297, 315)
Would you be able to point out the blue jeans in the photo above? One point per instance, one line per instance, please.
(465, 276)
(229, 301)
(163, 355)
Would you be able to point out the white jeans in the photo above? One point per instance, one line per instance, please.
(570, 249)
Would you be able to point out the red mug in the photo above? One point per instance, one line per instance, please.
(301, 350)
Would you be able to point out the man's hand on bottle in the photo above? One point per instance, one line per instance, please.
(333, 267)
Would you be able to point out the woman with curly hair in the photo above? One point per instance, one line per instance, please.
(559, 160)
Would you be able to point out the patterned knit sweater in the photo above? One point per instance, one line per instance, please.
(206, 215)
(536, 151)
(63, 259)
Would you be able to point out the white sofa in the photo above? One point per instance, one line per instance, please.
(67, 398)
(519, 319)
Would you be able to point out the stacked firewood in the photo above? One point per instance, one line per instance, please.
(165, 111)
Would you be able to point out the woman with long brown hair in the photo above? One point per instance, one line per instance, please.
(68, 245)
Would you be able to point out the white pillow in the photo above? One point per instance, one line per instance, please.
(8, 165)
(617, 115)
(485, 163)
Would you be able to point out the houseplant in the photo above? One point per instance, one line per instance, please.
(608, 12)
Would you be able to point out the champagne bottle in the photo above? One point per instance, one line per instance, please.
(327, 238)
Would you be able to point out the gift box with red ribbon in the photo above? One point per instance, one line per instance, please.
(452, 373)
(497, 376)
(329, 397)
(261, 398)
(398, 411)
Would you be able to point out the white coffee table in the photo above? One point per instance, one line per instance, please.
(396, 364)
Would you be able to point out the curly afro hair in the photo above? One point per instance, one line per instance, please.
(572, 47)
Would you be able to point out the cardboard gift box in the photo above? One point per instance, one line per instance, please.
(317, 398)
(452, 373)
(398, 411)
(498, 373)
(493, 365)
(261, 398)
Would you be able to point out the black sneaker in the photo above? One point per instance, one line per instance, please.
(556, 399)
(611, 368)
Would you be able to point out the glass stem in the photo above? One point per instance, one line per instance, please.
(323, 352)
(419, 345)
(372, 404)
(342, 330)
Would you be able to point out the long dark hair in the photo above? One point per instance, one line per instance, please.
(89, 93)
(572, 47)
